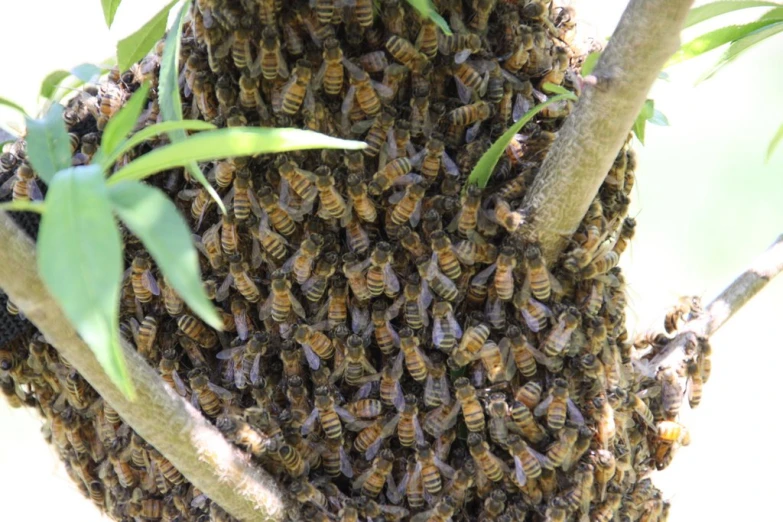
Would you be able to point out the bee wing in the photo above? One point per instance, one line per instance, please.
(243, 329)
(194, 399)
(231, 352)
(399, 398)
(482, 277)
(449, 165)
(265, 310)
(360, 127)
(347, 104)
(289, 264)
(391, 144)
(542, 406)
(150, 283)
(360, 319)
(426, 295)
(297, 306)
(462, 55)
(573, 412)
(416, 215)
(359, 482)
(444, 468)
(318, 79)
(396, 197)
(307, 285)
(239, 375)
(221, 392)
(395, 496)
(307, 425)
(345, 463)
(223, 290)
(521, 107)
(254, 206)
(473, 130)
(394, 310)
(33, 191)
(390, 279)
(312, 358)
(455, 326)
(519, 471)
(256, 255)
(417, 431)
(255, 372)
(382, 90)
(464, 92)
(8, 186)
(445, 394)
(437, 336)
(179, 385)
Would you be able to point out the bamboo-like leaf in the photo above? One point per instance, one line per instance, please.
(48, 145)
(225, 143)
(483, 170)
(122, 123)
(169, 98)
(109, 10)
(8, 103)
(80, 261)
(705, 12)
(658, 118)
(639, 126)
(81, 74)
(23, 205)
(134, 47)
(151, 216)
(776, 139)
(427, 9)
(87, 72)
(590, 62)
(157, 129)
(714, 39)
(555, 89)
(51, 82)
(742, 45)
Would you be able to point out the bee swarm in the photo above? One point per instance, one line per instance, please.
(394, 350)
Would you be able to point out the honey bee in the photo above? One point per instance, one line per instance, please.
(363, 13)
(275, 245)
(207, 395)
(670, 435)
(470, 346)
(145, 286)
(704, 358)
(372, 481)
(250, 96)
(364, 90)
(403, 51)
(436, 387)
(197, 331)
(380, 276)
(281, 301)
(471, 408)
(329, 415)
(378, 135)
(22, 185)
(302, 182)
(431, 467)
(332, 202)
(362, 204)
(353, 269)
(316, 345)
(301, 263)
(561, 333)
(446, 331)
(357, 237)
(686, 307)
(601, 265)
(204, 101)
(111, 100)
(560, 449)
(270, 59)
(280, 219)
(166, 468)
(671, 393)
(441, 285)
(520, 350)
(407, 205)
(168, 367)
(492, 466)
(144, 336)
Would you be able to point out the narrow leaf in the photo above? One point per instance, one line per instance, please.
(15, 106)
(589, 62)
(80, 261)
(109, 10)
(51, 82)
(122, 123)
(776, 139)
(775, 15)
(555, 89)
(87, 72)
(151, 216)
(483, 170)
(225, 143)
(705, 12)
(157, 129)
(714, 39)
(658, 118)
(427, 9)
(134, 47)
(740, 46)
(169, 98)
(638, 128)
(663, 75)
(48, 145)
(23, 205)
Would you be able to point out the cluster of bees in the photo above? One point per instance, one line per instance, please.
(394, 349)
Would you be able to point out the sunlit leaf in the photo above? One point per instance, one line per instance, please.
(589, 63)
(122, 123)
(647, 112)
(80, 261)
(157, 129)
(87, 72)
(775, 14)
(226, 143)
(658, 118)
(483, 170)
(427, 10)
(109, 10)
(715, 39)
(48, 145)
(555, 89)
(23, 205)
(740, 46)
(663, 75)
(776, 139)
(169, 98)
(705, 12)
(638, 128)
(51, 82)
(151, 216)
(134, 47)
(15, 106)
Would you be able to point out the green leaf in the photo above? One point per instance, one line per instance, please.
(483, 170)
(122, 123)
(170, 101)
(23, 205)
(87, 72)
(427, 9)
(705, 12)
(226, 143)
(663, 75)
(589, 63)
(555, 89)
(109, 10)
(80, 261)
(15, 106)
(647, 112)
(658, 118)
(48, 145)
(740, 46)
(134, 47)
(156, 129)
(151, 216)
(774, 14)
(774, 143)
(714, 39)
(51, 82)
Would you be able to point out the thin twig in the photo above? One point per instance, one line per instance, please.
(588, 142)
(159, 415)
(735, 296)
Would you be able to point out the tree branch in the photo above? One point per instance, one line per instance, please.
(159, 415)
(588, 142)
(735, 296)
